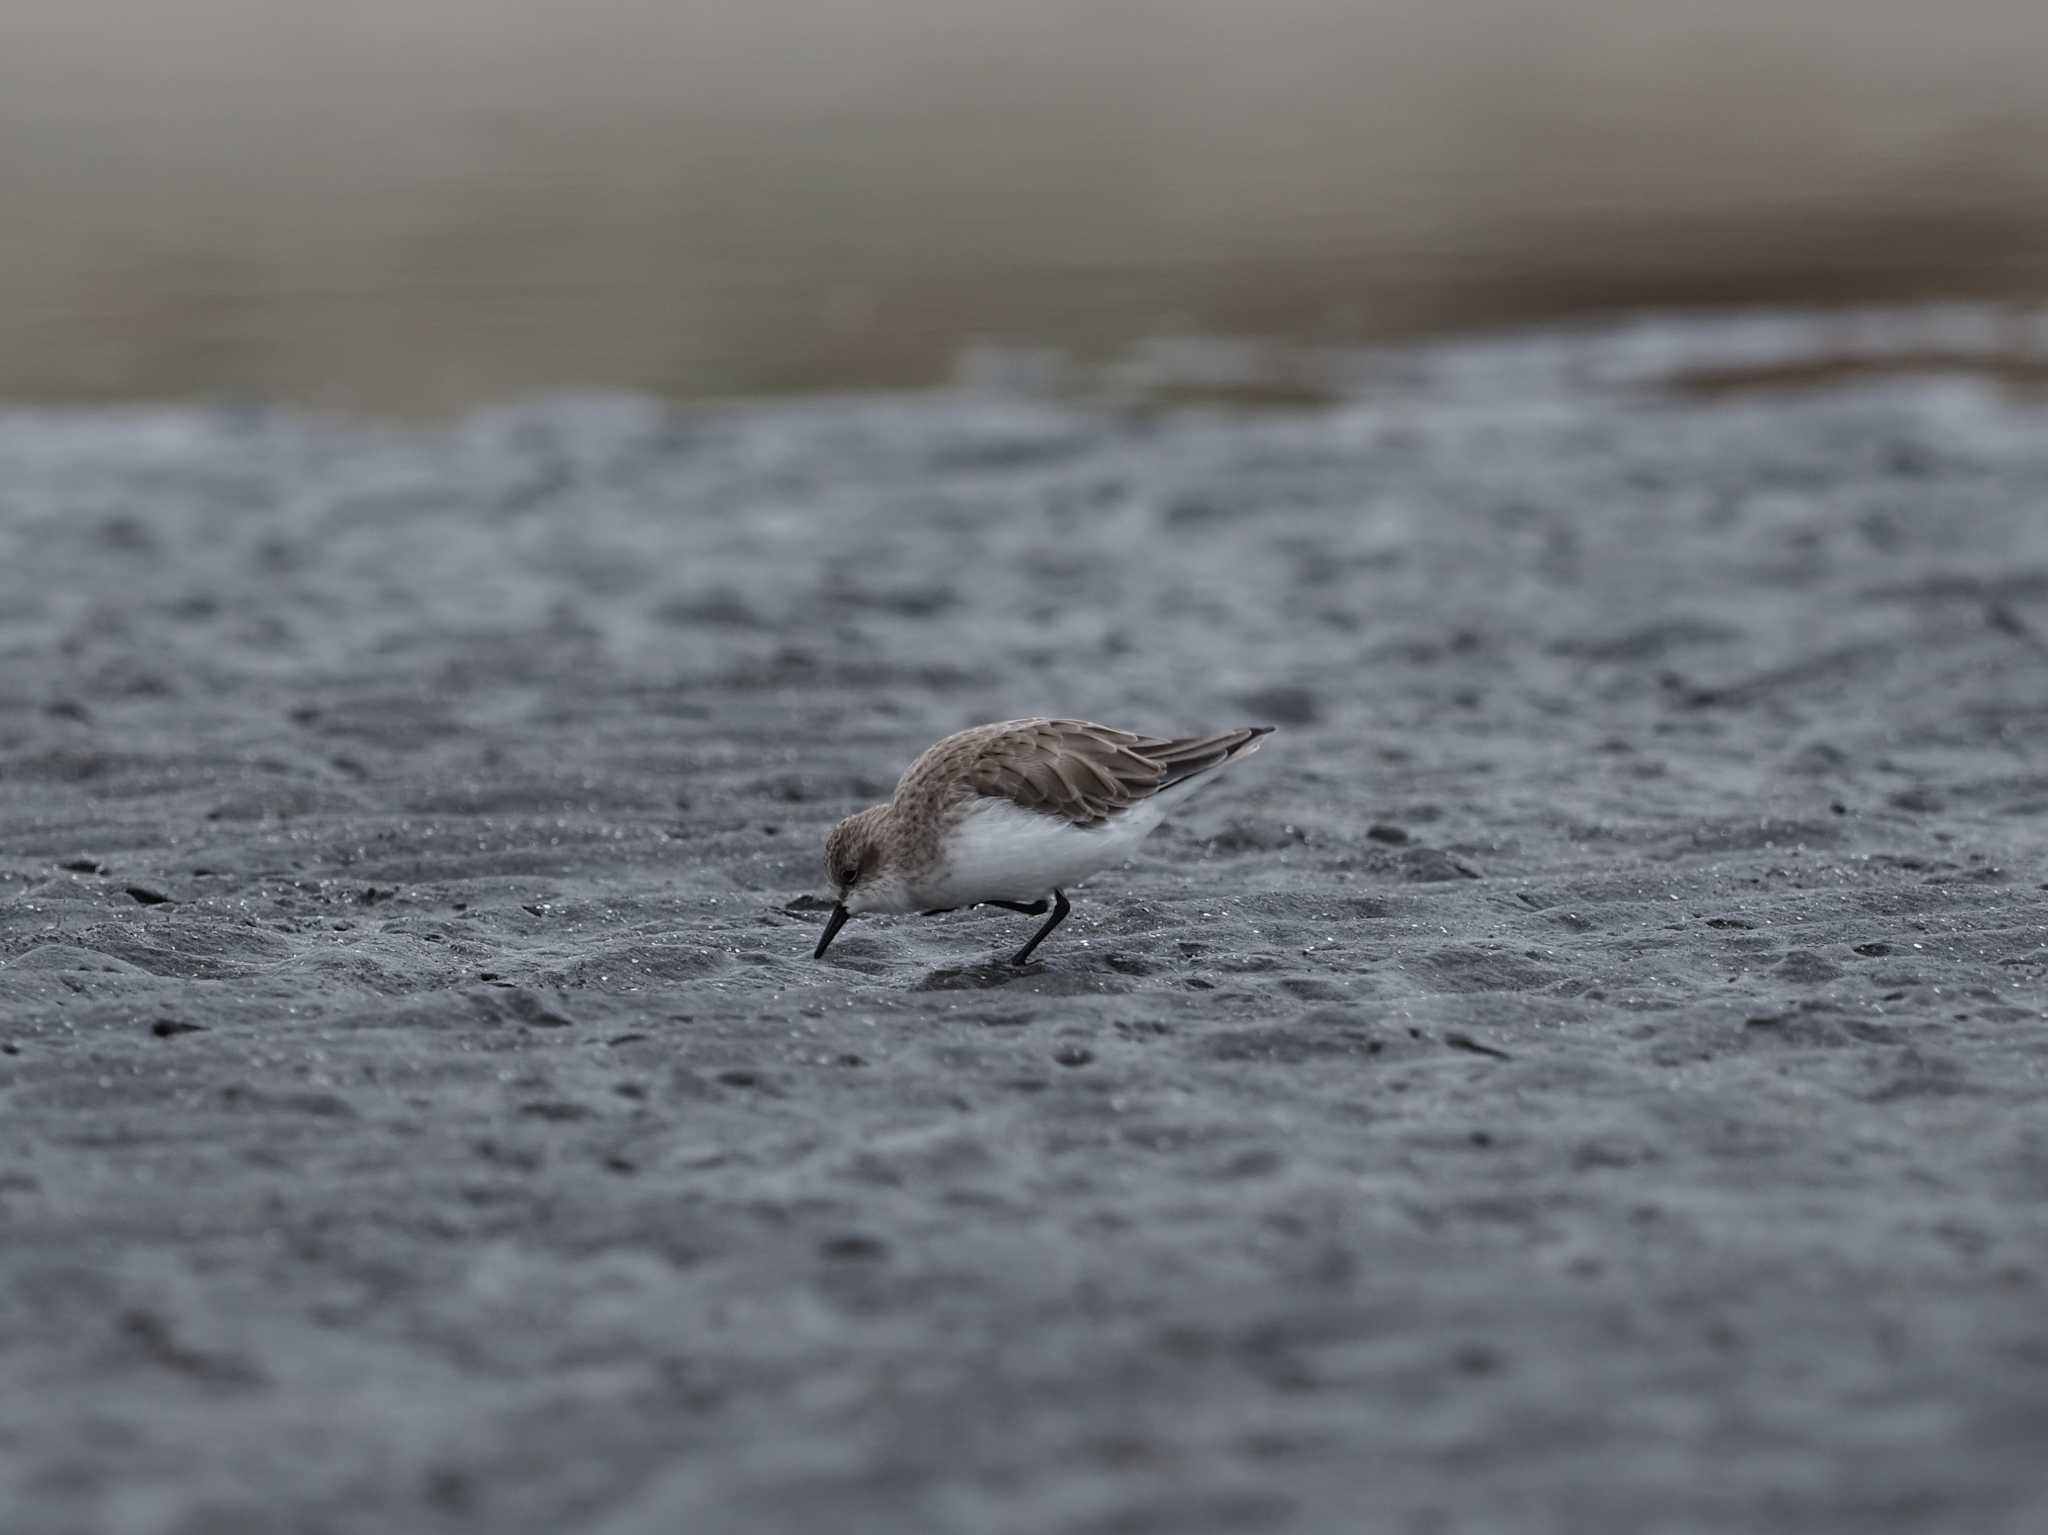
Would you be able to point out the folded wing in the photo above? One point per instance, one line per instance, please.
(1086, 773)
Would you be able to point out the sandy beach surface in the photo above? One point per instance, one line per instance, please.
(1588, 1073)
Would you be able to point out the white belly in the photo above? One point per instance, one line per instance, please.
(999, 852)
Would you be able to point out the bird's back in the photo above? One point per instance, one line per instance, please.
(1082, 773)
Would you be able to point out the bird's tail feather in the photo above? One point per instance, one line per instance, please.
(1192, 756)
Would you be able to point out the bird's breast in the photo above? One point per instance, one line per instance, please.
(999, 851)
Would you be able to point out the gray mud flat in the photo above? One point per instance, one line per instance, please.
(1589, 1073)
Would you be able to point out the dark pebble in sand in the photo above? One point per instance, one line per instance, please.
(2001, 617)
(147, 896)
(1805, 965)
(155, 1336)
(320, 1105)
(1283, 705)
(1478, 1359)
(519, 1006)
(166, 1028)
(1428, 865)
(83, 866)
(556, 1110)
(1873, 950)
(1073, 1055)
(1472, 1046)
(853, 1246)
(1393, 836)
(1242, 836)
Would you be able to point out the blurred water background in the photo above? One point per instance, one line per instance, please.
(409, 206)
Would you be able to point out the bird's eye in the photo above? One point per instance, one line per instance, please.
(849, 875)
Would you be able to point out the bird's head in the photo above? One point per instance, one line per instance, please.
(858, 867)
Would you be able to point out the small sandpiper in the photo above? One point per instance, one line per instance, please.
(1003, 815)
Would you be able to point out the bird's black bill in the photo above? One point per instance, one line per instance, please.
(833, 924)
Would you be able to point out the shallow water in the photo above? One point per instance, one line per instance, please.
(393, 207)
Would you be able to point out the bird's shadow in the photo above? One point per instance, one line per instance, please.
(986, 976)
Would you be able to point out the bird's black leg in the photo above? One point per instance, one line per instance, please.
(1022, 908)
(1060, 908)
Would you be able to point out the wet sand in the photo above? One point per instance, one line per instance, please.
(1587, 1073)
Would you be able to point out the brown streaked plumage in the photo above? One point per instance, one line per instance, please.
(1006, 814)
